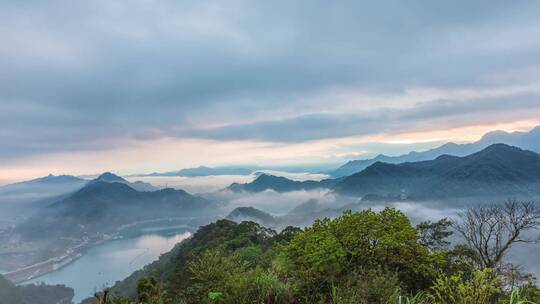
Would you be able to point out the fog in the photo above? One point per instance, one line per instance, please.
(205, 184)
(313, 204)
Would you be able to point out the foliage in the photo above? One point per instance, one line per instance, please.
(356, 243)
(365, 257)
(483, 288)
(434, 234)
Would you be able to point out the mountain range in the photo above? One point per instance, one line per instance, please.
(525, 140)
(205, 171)
(497, 171)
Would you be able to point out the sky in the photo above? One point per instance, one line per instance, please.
(143, 86)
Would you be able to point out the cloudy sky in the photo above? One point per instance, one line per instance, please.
(140, 86)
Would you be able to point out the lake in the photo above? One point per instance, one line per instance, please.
(107, 263)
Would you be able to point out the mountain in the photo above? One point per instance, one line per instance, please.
(104, 206)
(109, 177)
(205, 171)
(525, 140)
(40, 188)
(280, 184)
(33, 294)
(497, 171)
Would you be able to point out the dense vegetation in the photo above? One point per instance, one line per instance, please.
(363, 257)
(33, 294)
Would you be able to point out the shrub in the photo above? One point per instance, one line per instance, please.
(483, 288)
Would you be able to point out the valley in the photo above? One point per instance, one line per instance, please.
(110, 216)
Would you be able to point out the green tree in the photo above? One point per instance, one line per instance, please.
(330, 250)
(484, 287)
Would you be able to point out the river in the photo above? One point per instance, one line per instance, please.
(109, 262)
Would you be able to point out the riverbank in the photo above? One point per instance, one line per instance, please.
(131, 230)
(101, 266)
(30, 272)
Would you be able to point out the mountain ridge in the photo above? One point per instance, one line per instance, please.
(496, 170)
(526, 140)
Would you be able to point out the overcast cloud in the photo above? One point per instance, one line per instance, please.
(84, 76)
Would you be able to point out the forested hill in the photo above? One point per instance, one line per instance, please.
(34, 294)
(363, 257)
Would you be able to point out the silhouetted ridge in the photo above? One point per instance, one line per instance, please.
(497, 170)
(525, 140)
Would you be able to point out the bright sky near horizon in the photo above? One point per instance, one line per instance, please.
(144, 85)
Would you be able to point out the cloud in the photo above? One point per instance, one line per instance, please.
(98, 75)
(421, 117)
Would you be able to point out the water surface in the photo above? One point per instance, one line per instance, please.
(107, 263)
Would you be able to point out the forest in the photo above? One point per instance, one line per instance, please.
(371, 256)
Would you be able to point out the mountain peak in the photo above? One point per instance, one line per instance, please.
(110, 177)
(270, 177)
(499, 148)
(493, 135)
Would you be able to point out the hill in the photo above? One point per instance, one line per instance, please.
(498, 170)
(525, 140)
(280, 184)
(33, 294)
(358, 257)
(242, 214)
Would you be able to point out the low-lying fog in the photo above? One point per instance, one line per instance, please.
(203, 184)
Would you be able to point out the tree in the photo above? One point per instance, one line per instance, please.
(434, 234)
(492, 230)
(480, 289)
(329, 252)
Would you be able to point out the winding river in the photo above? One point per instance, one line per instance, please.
(109, 262)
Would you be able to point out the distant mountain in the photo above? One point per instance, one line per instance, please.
(55, 184)
(205, 171)
(104, 206)
(497, 171)
(34, 294)
(525, 140)
(109, 177)
(241, 214)
(280, 184)
(40, 188)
